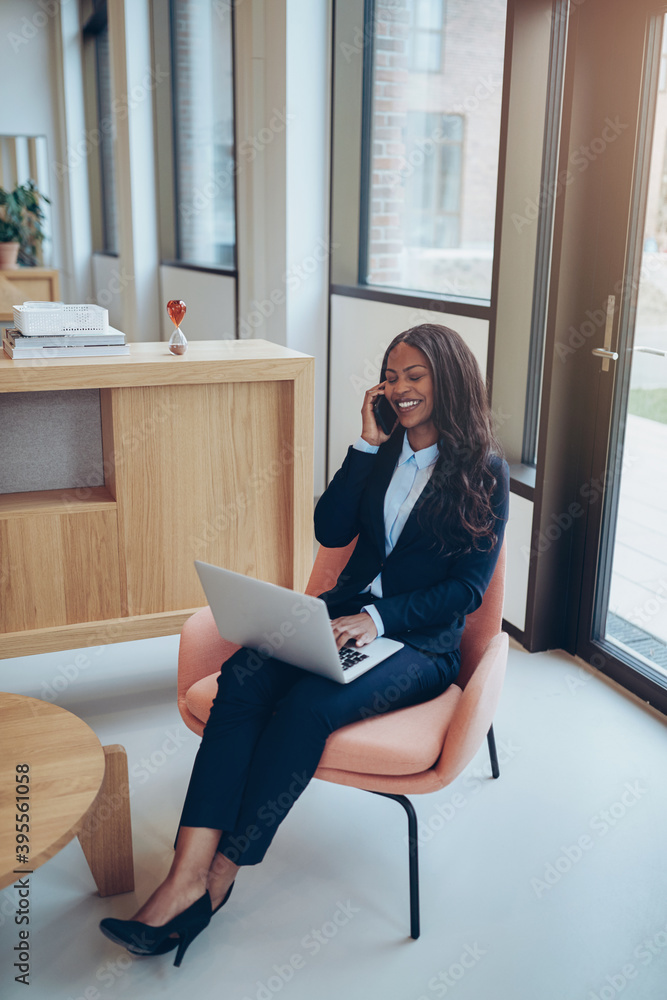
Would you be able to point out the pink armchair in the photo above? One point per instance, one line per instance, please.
(415, 750)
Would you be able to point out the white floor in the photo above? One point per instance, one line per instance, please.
(548, 884)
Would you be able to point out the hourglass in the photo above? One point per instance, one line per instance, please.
(177, 342)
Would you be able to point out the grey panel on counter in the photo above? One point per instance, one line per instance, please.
(50, 440)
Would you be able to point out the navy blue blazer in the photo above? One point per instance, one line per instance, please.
(426, 596)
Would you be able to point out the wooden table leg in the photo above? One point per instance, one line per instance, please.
(106, 835)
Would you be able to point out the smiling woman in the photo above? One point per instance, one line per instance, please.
(269, 726)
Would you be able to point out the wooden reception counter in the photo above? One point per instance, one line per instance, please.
(206, 456)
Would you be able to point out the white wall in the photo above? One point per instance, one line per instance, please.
(360, 331)
(209, 299)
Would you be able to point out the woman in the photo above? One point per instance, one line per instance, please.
(428, 502)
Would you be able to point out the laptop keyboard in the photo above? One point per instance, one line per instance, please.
(349, 656)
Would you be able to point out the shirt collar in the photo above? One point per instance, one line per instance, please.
(424, 457)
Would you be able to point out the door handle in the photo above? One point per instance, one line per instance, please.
(651, 350)
(605, 352)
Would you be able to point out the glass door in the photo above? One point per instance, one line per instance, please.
(623, 615)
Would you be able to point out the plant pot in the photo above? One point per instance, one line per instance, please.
(8, 256)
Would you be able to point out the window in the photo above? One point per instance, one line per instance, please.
(107, 135)
(432, 118)
(433, 185)
(101, 127)
(203, 129)
(425, 37)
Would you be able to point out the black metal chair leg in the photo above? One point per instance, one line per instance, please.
(413, 845)
(495, 769)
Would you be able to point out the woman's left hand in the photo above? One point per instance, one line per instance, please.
(360, 627)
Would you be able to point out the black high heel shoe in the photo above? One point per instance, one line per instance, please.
(171, 942)
(228, 894)
(144, 939)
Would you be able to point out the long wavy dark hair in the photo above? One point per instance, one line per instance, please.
(456, 502)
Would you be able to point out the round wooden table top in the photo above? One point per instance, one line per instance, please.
(66, 765)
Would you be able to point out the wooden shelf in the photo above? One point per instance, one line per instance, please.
(207, 455)
(96, 633)
(153, 364)
(70, 501)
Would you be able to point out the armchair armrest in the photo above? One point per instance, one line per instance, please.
(475, 711)
(201, 652)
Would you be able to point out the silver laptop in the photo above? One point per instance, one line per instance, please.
(283, 623)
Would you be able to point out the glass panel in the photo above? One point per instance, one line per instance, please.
(637, 613)
(459, 104)
(107, 132)
(203, 132)
(451, 178)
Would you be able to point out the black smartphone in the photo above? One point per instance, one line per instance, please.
(385, 414)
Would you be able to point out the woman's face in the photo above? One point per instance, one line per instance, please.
(409, 386)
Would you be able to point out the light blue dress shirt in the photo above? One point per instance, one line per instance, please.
(412, 472)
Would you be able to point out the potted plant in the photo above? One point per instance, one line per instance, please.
(21, 225)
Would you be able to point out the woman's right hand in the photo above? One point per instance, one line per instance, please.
(371, 432)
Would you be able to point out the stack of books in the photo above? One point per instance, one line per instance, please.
(55, 330)
(66, 345)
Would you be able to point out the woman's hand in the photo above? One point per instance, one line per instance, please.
(360, 627)
(370, 429)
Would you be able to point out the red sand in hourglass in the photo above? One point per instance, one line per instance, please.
(176, 309)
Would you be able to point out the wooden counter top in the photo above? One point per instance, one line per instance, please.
(152, 363)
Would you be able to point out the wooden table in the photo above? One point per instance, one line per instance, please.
(75, 787)
(207, 455)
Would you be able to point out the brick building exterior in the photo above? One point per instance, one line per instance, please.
(435, 135)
